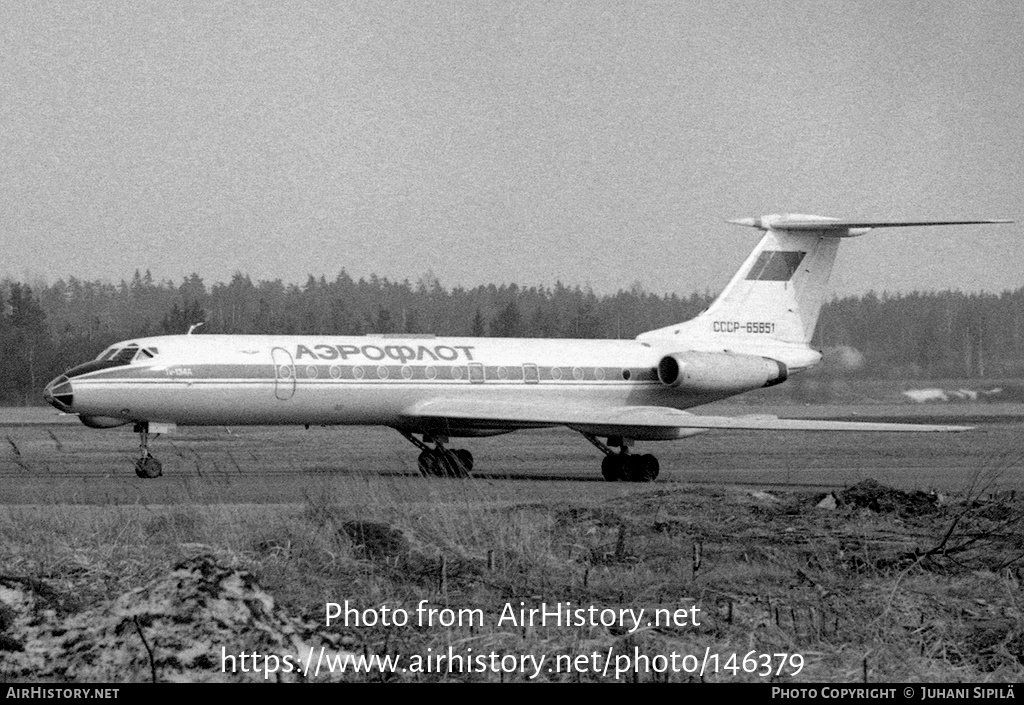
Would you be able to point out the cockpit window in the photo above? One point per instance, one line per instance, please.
(126, 354)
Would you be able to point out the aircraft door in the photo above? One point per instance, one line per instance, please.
(284, 374)
(530, 374)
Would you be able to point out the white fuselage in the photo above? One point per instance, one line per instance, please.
(371, 380)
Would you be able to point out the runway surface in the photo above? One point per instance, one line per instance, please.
(46, 459)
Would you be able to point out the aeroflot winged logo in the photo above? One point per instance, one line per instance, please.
(401, 353)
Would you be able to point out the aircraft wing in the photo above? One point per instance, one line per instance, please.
(631, 421)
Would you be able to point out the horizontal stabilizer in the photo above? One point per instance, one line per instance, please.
(794, 222)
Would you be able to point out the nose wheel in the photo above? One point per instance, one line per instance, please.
(146, 467)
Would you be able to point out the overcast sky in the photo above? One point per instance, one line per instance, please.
(596, 143)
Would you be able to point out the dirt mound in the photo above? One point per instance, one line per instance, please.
(25, 602)
(870, 494)
(190, 625)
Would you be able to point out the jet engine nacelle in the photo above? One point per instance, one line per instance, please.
(719, 371)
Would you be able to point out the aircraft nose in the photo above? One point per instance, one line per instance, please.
(58, 393)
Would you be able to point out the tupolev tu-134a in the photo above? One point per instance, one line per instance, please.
(757, 333)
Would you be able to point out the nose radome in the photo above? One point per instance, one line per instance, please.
(58, 393)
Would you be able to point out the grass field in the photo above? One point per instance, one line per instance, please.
(895, 583)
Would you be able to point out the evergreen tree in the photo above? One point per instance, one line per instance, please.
(479, 327)
(509, 322)
(26, 346)
(43, 331)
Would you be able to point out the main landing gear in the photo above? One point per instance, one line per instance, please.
(440, 461)
(146, 467)
(622, 466)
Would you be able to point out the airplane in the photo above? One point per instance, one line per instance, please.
(756, 334)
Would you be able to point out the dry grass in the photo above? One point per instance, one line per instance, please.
(855, 591)
(889, 586)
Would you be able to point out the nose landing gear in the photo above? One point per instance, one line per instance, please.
(146, 467)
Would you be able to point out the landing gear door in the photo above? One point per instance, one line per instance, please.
(284, 374)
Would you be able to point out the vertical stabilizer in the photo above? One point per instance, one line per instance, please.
(776, 296)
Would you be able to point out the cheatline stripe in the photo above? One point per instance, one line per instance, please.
(163, 382)
(429, 373)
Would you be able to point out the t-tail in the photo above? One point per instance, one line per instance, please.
(771, 305)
